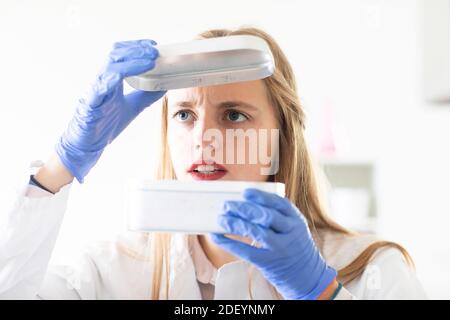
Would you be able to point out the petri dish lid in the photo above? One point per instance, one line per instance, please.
(205, 186)
(207, 62)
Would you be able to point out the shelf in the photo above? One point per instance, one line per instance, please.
(352, 195)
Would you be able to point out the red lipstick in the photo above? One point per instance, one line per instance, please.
(207, 171)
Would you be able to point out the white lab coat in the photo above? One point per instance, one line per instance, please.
(29, 229)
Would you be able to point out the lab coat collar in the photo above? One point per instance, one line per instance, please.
(205, 271)
(232, 280)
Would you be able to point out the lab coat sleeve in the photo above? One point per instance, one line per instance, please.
(387, 277)
(29, 226)
(80, 280)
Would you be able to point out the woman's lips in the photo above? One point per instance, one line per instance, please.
(207, 171)
(208, 176)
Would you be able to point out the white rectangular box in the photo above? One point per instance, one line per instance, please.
(184, 206)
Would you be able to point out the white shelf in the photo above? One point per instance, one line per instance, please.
(352, 194)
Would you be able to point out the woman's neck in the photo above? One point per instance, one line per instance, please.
(215, 253)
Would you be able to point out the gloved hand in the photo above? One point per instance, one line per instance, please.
(105, 112)
(288, 257)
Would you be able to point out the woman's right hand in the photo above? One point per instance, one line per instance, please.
(105, 112)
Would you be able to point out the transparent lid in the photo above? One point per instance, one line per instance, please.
(207, 62)
(204, 186)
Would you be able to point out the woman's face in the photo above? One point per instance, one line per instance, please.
(223, 132)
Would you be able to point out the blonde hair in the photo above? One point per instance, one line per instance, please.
(296, 168)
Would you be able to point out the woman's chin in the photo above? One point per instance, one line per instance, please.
(239, 238)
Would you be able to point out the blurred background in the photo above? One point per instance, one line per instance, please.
(373, 76)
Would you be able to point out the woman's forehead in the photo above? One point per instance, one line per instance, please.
(253, 92)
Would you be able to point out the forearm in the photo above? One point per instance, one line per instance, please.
(53, 175)
(329, 291)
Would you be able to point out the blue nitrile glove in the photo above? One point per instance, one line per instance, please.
(105, 112)
(288, 257)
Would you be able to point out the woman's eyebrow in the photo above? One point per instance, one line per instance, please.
(224, 104)
(183, 104)
(236, 103)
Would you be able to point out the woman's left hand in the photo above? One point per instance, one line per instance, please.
(288, 257)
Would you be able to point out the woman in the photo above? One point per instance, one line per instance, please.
(300, 253)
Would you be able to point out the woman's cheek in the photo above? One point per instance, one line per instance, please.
(253, 167)
(180, 149)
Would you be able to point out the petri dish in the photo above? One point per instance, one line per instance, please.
(207, 62)
(184, 206)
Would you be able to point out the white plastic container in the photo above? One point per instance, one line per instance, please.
(206, 62)
(184, 206)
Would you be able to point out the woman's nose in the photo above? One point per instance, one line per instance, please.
(206, 131)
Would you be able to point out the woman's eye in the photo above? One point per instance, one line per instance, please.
(182, 116)
(236, 116)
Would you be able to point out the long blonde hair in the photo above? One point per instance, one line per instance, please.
(296, 168)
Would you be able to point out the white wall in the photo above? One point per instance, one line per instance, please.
(362, 56)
